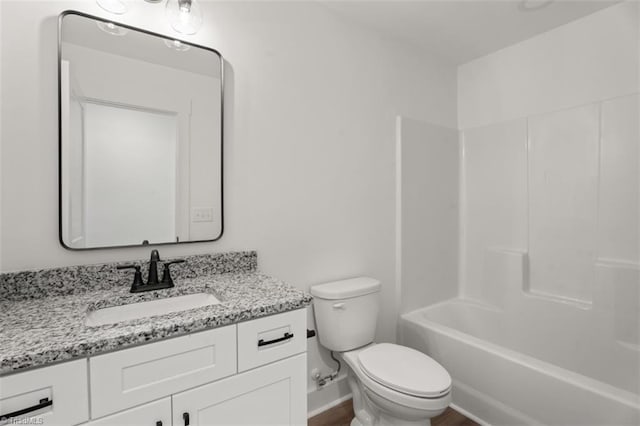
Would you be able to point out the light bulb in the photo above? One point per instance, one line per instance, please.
(532, 5)
(185, 16)
(111, 28)
(117, 7)
(177, 45)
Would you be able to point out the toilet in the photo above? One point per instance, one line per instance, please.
(391, 384)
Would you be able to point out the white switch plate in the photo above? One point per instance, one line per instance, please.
(202, 215)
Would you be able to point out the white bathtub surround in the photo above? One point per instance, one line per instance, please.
(563, 201)
(546, 326)
(565, 335)
(561, 188)
(483, 345)
(619, 185)
(495, 204)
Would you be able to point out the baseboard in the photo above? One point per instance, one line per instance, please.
(328, 406)
(322, 399)
(469, 415)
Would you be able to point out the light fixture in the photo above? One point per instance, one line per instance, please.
(117, 7)
(185, 16)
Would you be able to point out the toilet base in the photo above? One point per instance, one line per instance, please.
(385, 421)
(356, 422)
(370, 413)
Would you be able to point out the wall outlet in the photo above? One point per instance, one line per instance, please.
(202, 215)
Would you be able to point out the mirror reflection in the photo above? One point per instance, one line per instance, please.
(140, 137)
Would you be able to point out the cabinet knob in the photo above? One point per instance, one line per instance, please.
(185, 417)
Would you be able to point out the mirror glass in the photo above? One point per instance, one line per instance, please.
(140, 137)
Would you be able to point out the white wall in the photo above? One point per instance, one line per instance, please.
(551, 135)
(428, 205)
(309, 144)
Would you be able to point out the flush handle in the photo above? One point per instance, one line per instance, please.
(339, 306)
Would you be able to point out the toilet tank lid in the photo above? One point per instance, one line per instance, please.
(345, 289)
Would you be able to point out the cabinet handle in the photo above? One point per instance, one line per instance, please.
(44, 402)
(286, 336)
(185, 417)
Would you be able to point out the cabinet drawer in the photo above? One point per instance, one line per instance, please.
(64, 386)
(156, 413)
(272, 395)
(134, 376)
(271, 338)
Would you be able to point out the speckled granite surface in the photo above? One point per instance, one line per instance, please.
(81, 279)
(36, 331)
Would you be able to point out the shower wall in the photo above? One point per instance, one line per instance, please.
(427, 268)
(550, 166)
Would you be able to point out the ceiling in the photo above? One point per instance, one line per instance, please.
(462, 30)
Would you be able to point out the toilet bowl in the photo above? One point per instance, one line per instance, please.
(386, 394)
(391, 384)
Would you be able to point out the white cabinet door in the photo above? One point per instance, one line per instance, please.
(275, 394)
(157, 413)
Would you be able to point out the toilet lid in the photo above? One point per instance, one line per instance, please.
(405, 370)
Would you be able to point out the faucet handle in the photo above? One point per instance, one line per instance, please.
(166, 272)
(129, 266)
(137, 276)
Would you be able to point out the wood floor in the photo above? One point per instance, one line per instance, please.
(341, 415)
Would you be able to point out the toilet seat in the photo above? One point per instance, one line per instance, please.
(405, 370)
(400, 398)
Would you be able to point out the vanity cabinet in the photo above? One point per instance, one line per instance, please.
(250, 373)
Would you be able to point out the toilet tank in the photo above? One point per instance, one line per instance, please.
(346, 312)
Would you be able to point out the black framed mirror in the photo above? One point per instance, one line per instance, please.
(140, 134)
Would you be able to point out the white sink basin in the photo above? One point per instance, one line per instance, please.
(133, 311)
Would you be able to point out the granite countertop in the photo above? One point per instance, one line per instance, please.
(51, 328)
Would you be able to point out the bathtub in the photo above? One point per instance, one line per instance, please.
(539, 363)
